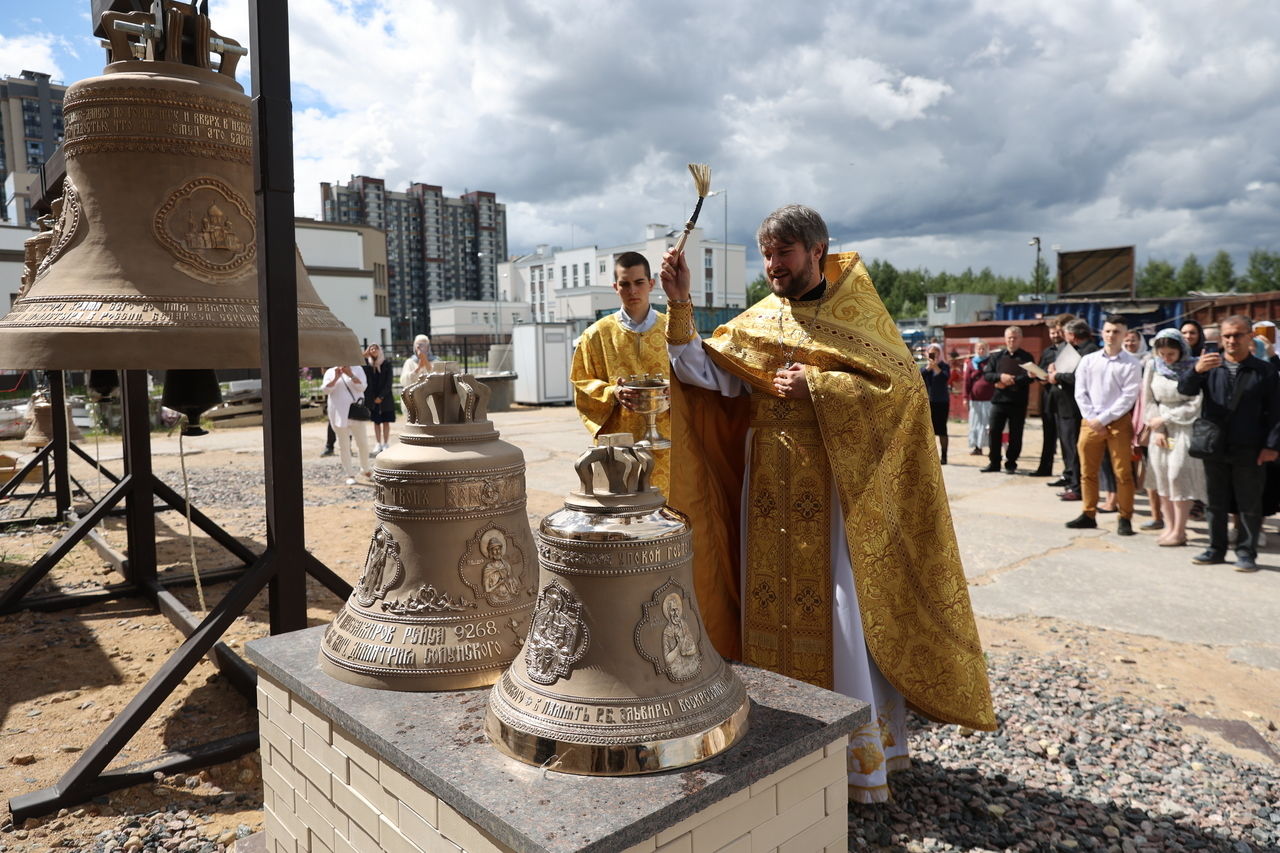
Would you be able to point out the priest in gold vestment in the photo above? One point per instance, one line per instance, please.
(823, 542)
(632, 341)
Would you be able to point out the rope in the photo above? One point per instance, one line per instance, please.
(191, 541)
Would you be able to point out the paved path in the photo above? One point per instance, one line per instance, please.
(1017, 554)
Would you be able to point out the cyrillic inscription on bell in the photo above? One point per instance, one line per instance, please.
(617, 675)
(448, 584)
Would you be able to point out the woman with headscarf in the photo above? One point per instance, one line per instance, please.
(1175, 475)
(1136, 345)
(418, 365)
(379, 397)
(345, 385)
(937, 379)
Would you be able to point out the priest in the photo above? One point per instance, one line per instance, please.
(823, 541)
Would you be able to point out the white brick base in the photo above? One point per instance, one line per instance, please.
(325, 793)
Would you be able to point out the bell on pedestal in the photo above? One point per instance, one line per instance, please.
(40, 432)
(152, 261)
(443, 601)
(617, 675)
(191, 392)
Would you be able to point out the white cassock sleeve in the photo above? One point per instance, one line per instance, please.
(692, 365)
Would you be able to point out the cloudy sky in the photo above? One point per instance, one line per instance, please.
(942, 134)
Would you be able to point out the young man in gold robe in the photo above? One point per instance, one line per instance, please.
(632, 341)
(804, 419)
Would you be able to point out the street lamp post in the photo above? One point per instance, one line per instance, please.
(1035, 241)
(724, 250)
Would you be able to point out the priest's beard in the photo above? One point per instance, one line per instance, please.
(797, 283)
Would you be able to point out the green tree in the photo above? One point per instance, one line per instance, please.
(1040, 277)
(1220, 277)
(1190, 276)
(1263, 272)
(1157, 278)
(757, 289)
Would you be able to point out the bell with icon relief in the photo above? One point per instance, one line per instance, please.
(618, 675)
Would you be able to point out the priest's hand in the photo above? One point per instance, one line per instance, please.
(675, 276)
(791, 382)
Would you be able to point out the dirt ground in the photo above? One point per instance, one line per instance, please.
(64, 675)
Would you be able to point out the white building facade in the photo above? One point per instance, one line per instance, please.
(575, 285)
(347, 265)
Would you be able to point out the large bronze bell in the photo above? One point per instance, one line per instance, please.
(40, 432)
(444, 599)
(617, 675)
(152, 258)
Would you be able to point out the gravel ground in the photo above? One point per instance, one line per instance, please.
(1071, 770)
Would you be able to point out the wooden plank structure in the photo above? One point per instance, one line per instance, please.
(1094, 272)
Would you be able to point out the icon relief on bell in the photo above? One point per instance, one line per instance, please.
(383, 569)
(557, 636)
(493, 566)
(668, 635)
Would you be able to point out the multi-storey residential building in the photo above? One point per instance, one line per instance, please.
(30, 130)
(575, 285)
(438, 248)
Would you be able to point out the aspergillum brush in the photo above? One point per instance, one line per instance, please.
(702, 181)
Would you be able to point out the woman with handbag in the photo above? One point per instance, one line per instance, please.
(1176, 476)
(379, 397)
(348, 415)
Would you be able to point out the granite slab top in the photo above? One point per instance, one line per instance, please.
(438, 740)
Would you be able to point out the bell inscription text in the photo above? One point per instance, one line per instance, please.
(112, 118)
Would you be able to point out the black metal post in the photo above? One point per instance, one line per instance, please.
(278, 302)
(61, 429)
(140, 518)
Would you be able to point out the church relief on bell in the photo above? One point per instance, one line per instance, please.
(209, 229)
(494, 567)
(667, 635)
(557, 636)
(383, 569)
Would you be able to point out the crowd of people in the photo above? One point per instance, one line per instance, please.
(1191, 417)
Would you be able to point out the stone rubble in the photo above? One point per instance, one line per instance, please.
(1070, 770)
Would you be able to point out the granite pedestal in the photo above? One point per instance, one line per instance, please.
(353, 769)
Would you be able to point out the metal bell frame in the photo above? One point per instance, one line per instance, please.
(282, 569)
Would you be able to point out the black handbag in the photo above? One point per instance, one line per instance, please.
(1208, 438)
(357, 411)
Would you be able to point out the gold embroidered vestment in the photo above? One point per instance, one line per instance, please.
(867, 430)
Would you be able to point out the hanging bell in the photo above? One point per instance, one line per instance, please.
(444, 599)
(191, 392)
(40, 432)
(617, 675)
(152, 261)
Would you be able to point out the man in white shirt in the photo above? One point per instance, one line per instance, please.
(1107, 385)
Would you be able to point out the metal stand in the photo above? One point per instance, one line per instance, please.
(284, 565)
(56, 452)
